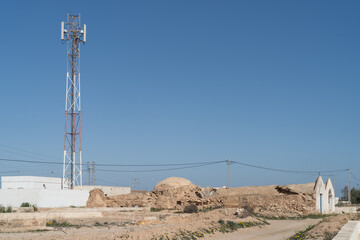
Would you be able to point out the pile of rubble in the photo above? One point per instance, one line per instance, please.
(177, 193)
(171, 193)
(272, 200)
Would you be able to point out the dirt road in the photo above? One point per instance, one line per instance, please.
(277, 230)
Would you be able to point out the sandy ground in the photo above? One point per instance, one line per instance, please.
(277, 230)
(118, 223)
(147, 225)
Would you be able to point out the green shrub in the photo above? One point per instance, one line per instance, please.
(25, 204)
(35, 208)
(302, 234)
(54, 223)
(155, 209)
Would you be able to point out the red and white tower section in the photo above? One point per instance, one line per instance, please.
(74, 35)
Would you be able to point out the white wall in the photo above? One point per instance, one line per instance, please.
(108, 190)
(44, 197)
(30, 182)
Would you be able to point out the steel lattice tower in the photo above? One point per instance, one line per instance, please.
(73, 34)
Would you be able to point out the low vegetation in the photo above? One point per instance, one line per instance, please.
(5, 209)
(223, 227)
(59, 223)
(28, 205)
(156, 209)
(25, 204)
(39, 230)
(299, 217)
(301, 234)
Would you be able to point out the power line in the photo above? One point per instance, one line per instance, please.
(10, 172)
(289, 171)
(186, 165)
(105, 181)
(158, 170)
(354, 177)
(112, 165)
(157, 165)
(29, 161)
(44, 156)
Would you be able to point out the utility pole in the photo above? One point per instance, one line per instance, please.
(93, 173)
(349, 190)
(136, 182)
(73, 34)
(88, 171)
(228, 165)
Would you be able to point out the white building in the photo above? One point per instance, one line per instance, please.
(30, 182)
(325, 196)
(47, 192)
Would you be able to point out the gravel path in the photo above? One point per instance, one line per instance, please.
(277, 230)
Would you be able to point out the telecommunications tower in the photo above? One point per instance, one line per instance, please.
(73, 34)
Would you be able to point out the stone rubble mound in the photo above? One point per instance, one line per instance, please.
(177, 193)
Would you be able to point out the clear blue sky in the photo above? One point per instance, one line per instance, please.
(270, 83)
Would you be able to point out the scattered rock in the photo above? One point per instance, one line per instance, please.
(285, 190)
(96, 199)
(242, 213)
(191, 208)
(208, 191)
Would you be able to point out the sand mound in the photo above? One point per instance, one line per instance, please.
(96, 199)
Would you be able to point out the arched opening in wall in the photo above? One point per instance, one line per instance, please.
(330, 200)
(321, 203)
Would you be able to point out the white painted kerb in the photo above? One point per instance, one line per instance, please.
(349, 231)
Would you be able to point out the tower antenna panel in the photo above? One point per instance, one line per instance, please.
(62, 30)
(84, 34)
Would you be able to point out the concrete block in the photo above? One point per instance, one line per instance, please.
(349, 231)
